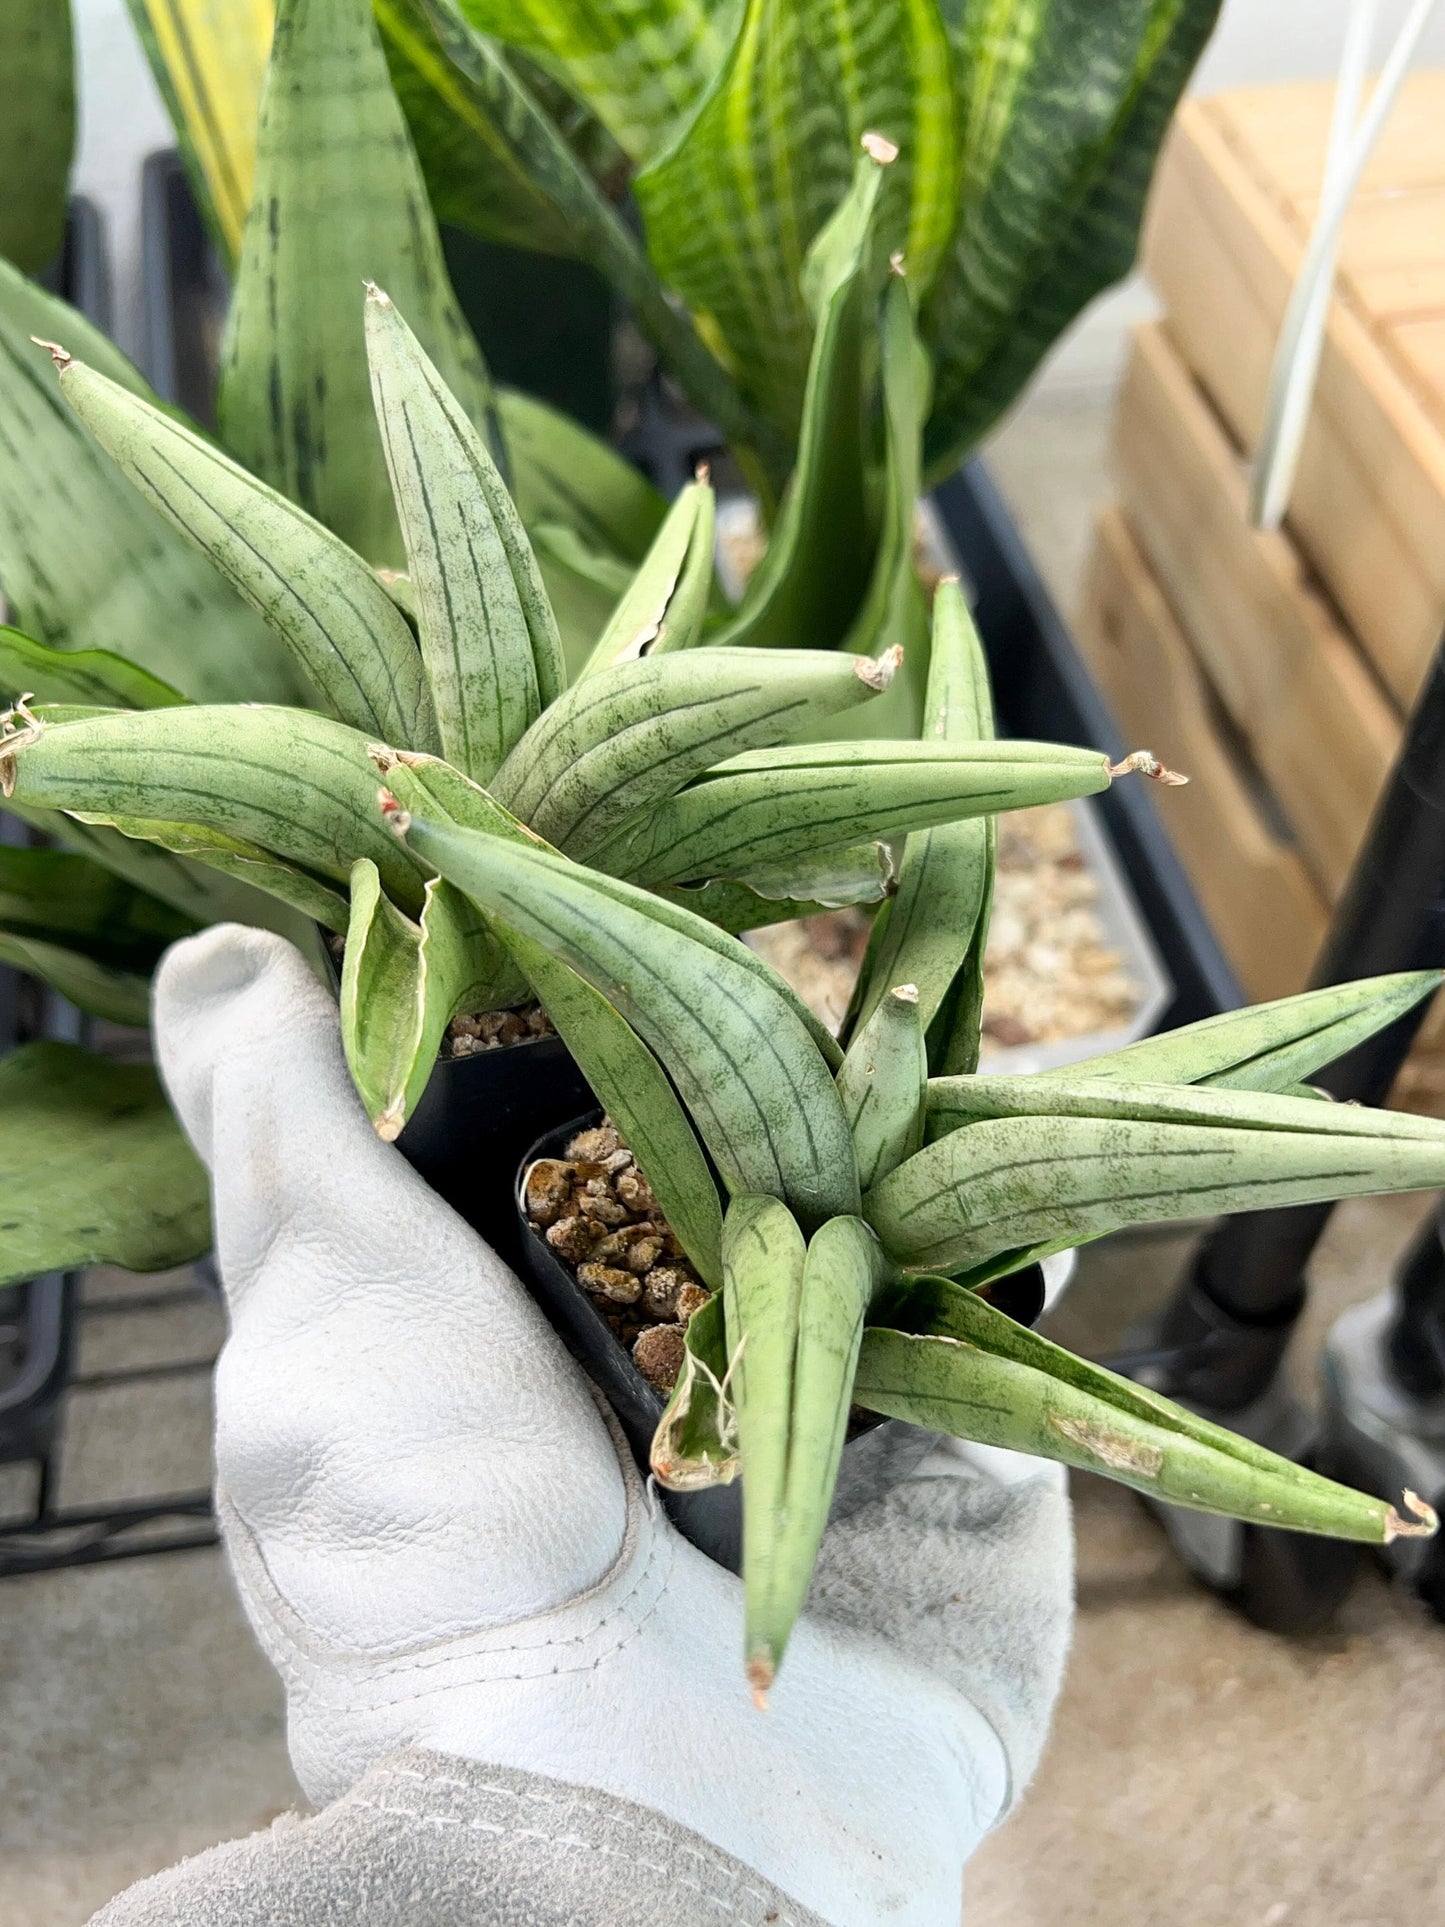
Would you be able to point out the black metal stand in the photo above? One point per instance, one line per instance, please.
(1221, 1342)
(1229, 1328)
(40, 1321)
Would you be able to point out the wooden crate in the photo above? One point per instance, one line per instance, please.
(1296, 686)
(1226, 825)
(1228, 221)
(1256, 891)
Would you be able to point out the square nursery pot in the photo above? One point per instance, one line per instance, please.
(477, 1117)
(876, 1457)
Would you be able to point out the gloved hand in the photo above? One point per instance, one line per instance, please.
(442, 1541)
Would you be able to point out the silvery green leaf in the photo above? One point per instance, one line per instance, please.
(346, 634)
(664, 604)
(794, 1317)
(966, 1369)
(882, 1085)
(934, 928)
(626, 738)
(746, 1065)
(696, 1442)
(622, 1071)
(1102, 1155)
(774, 805)
(1269, 1046)
(402, 983)
(132, 586)
(488, 639)
(280, 781)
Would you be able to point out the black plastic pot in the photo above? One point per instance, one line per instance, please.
(873, 1460)
(478, 1116)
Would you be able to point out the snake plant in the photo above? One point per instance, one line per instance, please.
(865, 1205)
(668, 762)
(698, 157)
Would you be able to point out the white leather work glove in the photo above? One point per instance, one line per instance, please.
(443, 1543)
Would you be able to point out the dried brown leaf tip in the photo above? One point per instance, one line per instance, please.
(1424, 1524)
(396, 819)
(62, 357)
(878, 671)
(1143, 762)
(879, 148)
(19, 728)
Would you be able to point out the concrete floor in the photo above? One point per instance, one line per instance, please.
(1199, 1770)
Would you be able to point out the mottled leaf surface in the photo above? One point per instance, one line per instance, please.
(93, 1167)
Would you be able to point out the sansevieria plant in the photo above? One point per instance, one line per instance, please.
(666, 762)
(864, 1203)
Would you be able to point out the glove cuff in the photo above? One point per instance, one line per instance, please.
(423, 1837)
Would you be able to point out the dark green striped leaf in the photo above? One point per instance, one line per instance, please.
(639, 64)
(1061, 108)
(37, 129)
(95, 678)
(732, 206)
(338, 200)
(66, 898)
(813, 576)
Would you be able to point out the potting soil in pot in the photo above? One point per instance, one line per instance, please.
(598, 1213)
(494, 1030)
(1050, 972)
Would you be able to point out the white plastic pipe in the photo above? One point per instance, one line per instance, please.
(1297, 354)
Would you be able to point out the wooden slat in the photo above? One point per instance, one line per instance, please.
(1267, 913)
(1369, 504)
(1316, 721)
(1287, 129)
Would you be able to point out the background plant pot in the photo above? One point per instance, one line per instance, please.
(873, 1460)
(477, 1117)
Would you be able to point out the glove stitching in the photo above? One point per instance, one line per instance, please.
(293, 1639)
(575, 1798)
(572, 1843)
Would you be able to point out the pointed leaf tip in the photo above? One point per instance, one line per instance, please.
(62, 357)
